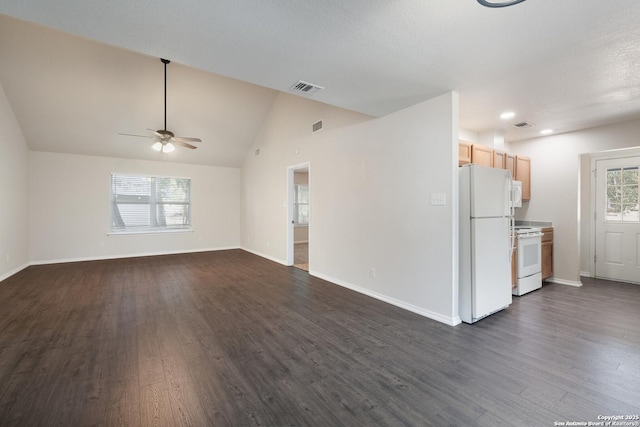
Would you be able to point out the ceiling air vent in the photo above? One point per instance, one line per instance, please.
(305, 88)
(317, 126)
(523, 125)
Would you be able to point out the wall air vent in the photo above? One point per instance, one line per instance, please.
(523, 125)
(317, 126)
(305, 88)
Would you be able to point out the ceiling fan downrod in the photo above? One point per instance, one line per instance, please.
(165, 62)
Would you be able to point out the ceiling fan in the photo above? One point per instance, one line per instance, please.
(165, 139)
(493, 3)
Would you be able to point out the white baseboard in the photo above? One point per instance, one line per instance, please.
(300, 241)
(451, 321)
(137, 255)
(564, 282)
(585, 274)
(14, 271)
(269, 257)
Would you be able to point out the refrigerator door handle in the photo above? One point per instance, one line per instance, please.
(512, 223)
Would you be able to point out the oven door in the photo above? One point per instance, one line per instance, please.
(529, 254)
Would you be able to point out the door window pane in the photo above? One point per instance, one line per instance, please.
(622, 195)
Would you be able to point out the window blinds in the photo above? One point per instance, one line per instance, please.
(149, 203)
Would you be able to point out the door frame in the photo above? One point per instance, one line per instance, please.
(290, 208)
(595, 157)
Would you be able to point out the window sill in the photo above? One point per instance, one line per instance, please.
(133, 232)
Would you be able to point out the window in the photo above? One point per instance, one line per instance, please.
(301, 205)
(622, 195)
(142, 204)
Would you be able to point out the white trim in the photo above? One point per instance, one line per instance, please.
(14, 271)
(564, 282)
(585, 274)
(451, 321)
(137, 255)
(150, 231)
(269, 257)
(455, 206)
(290, 220)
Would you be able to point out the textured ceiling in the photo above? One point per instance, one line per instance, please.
(565, 64)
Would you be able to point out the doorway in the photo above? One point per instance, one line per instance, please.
(299, 217)
(617, 220)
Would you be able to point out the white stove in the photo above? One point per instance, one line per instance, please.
(525, 229)
(529, 268)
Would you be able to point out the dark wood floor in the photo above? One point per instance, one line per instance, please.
(228, 338)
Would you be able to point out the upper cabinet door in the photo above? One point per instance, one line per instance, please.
(464, 153)
(523, 174)
(481, 155)
(499, 159)
(510, 164)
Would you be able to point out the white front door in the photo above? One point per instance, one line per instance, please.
(617, 219)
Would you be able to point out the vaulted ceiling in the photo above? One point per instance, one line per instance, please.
(79, 73)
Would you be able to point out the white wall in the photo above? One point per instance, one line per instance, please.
(370, 186)
(560, 189)
(468, 136)
(284, 140)
(69, 214)
(14, 187)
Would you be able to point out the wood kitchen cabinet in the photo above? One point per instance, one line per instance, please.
(499, 159)
(519, 166)
(523, 174)
(510, 164)
(464, 153)
(481, 155)
(547, 252)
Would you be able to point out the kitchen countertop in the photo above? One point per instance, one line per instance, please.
(520, 223)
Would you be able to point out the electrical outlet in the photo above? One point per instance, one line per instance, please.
(438, 199)
(372, 272)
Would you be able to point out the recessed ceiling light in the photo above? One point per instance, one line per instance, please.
(546, 131)
(507, 115)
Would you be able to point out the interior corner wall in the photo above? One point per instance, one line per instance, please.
(372, 227)
(561, 188)
(14, 190)
(70, 208)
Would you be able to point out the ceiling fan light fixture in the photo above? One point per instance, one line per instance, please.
(168, 147)
(494, 4)
(157, 146)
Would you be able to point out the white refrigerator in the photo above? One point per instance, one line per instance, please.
(485, 242)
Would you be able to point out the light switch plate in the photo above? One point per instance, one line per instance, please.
(438, 199)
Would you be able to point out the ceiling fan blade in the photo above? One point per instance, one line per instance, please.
(156, 133)
(186, 139)
(184, 144)
(140, 136)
